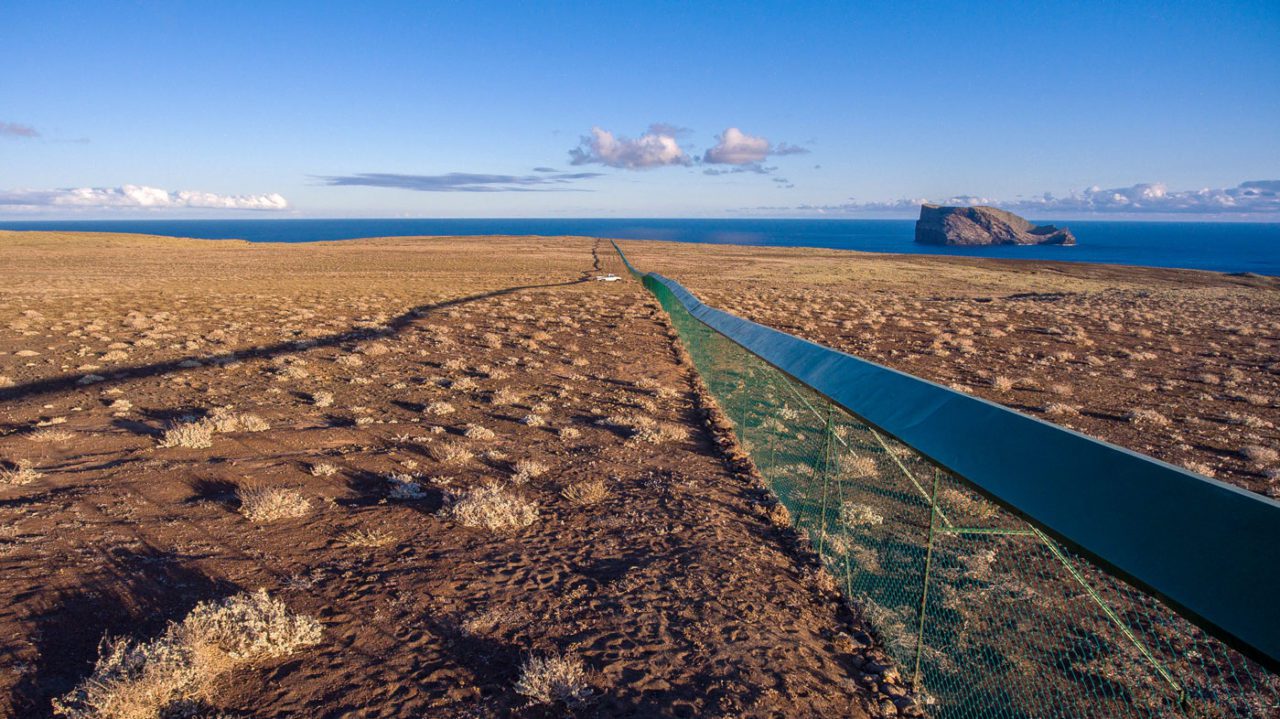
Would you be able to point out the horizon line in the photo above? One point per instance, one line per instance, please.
(1226, 218)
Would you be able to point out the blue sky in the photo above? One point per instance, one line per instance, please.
(783, 109)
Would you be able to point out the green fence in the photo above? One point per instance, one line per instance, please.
(988, 614)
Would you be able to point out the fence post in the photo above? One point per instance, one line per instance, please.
(924, 589)
(826, 481)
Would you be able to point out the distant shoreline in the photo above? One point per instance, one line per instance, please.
(1229, 247)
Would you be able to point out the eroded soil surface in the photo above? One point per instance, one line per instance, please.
(378, 380)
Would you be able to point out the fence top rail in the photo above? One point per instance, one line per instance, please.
(1209, 549)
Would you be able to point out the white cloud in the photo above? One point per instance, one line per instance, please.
(656, 148)
(735, 147)
(659, 147)
(137, 197)
(1256, 197)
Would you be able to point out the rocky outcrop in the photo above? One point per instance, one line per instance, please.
(975, 226)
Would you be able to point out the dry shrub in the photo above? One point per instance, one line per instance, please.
(1257, 454)
(662, 432)
(853, 514)
(1259, 400)
(645, 428)
(451, 453)
(533, 420)
(267, 504)
(858, 466)
(22, 473)
(291, 372)
(404, 487)
(1064, 390)
(586, 492)
(439, 409)
(967, 503)
(322, 399)
(504, 396)
(1200, 468)
(199, 434)
(1247, 421)
(1002, 384)
(569, 433)
(148, 680)
(554, 679)
(323, 469)
(196, 435)
(1147, 416)
(222, 420)
(369, 538)
(477, 432)
(527, 469)
(1059, 409)
(50, 434)
(492, 507)
(633, 422)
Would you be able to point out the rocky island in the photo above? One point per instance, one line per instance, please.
(976, 226)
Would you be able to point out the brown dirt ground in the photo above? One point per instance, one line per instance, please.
(676, 591)
(1181, 365)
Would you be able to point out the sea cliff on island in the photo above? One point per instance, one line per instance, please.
(974, 226)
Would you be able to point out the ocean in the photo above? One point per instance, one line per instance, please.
(1215, 246)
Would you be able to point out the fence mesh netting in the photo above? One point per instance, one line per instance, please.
(986, 615)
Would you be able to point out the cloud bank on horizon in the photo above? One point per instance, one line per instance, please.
(136, 197)
(1261, 197)
(1254, 197)
(548, 180)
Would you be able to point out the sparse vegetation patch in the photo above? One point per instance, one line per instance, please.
(492, 507)
(554, 679)
(149, 679)
(268, 504)
(586, 492)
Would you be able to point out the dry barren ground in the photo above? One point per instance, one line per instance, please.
(472, 480)
(1177, 364)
